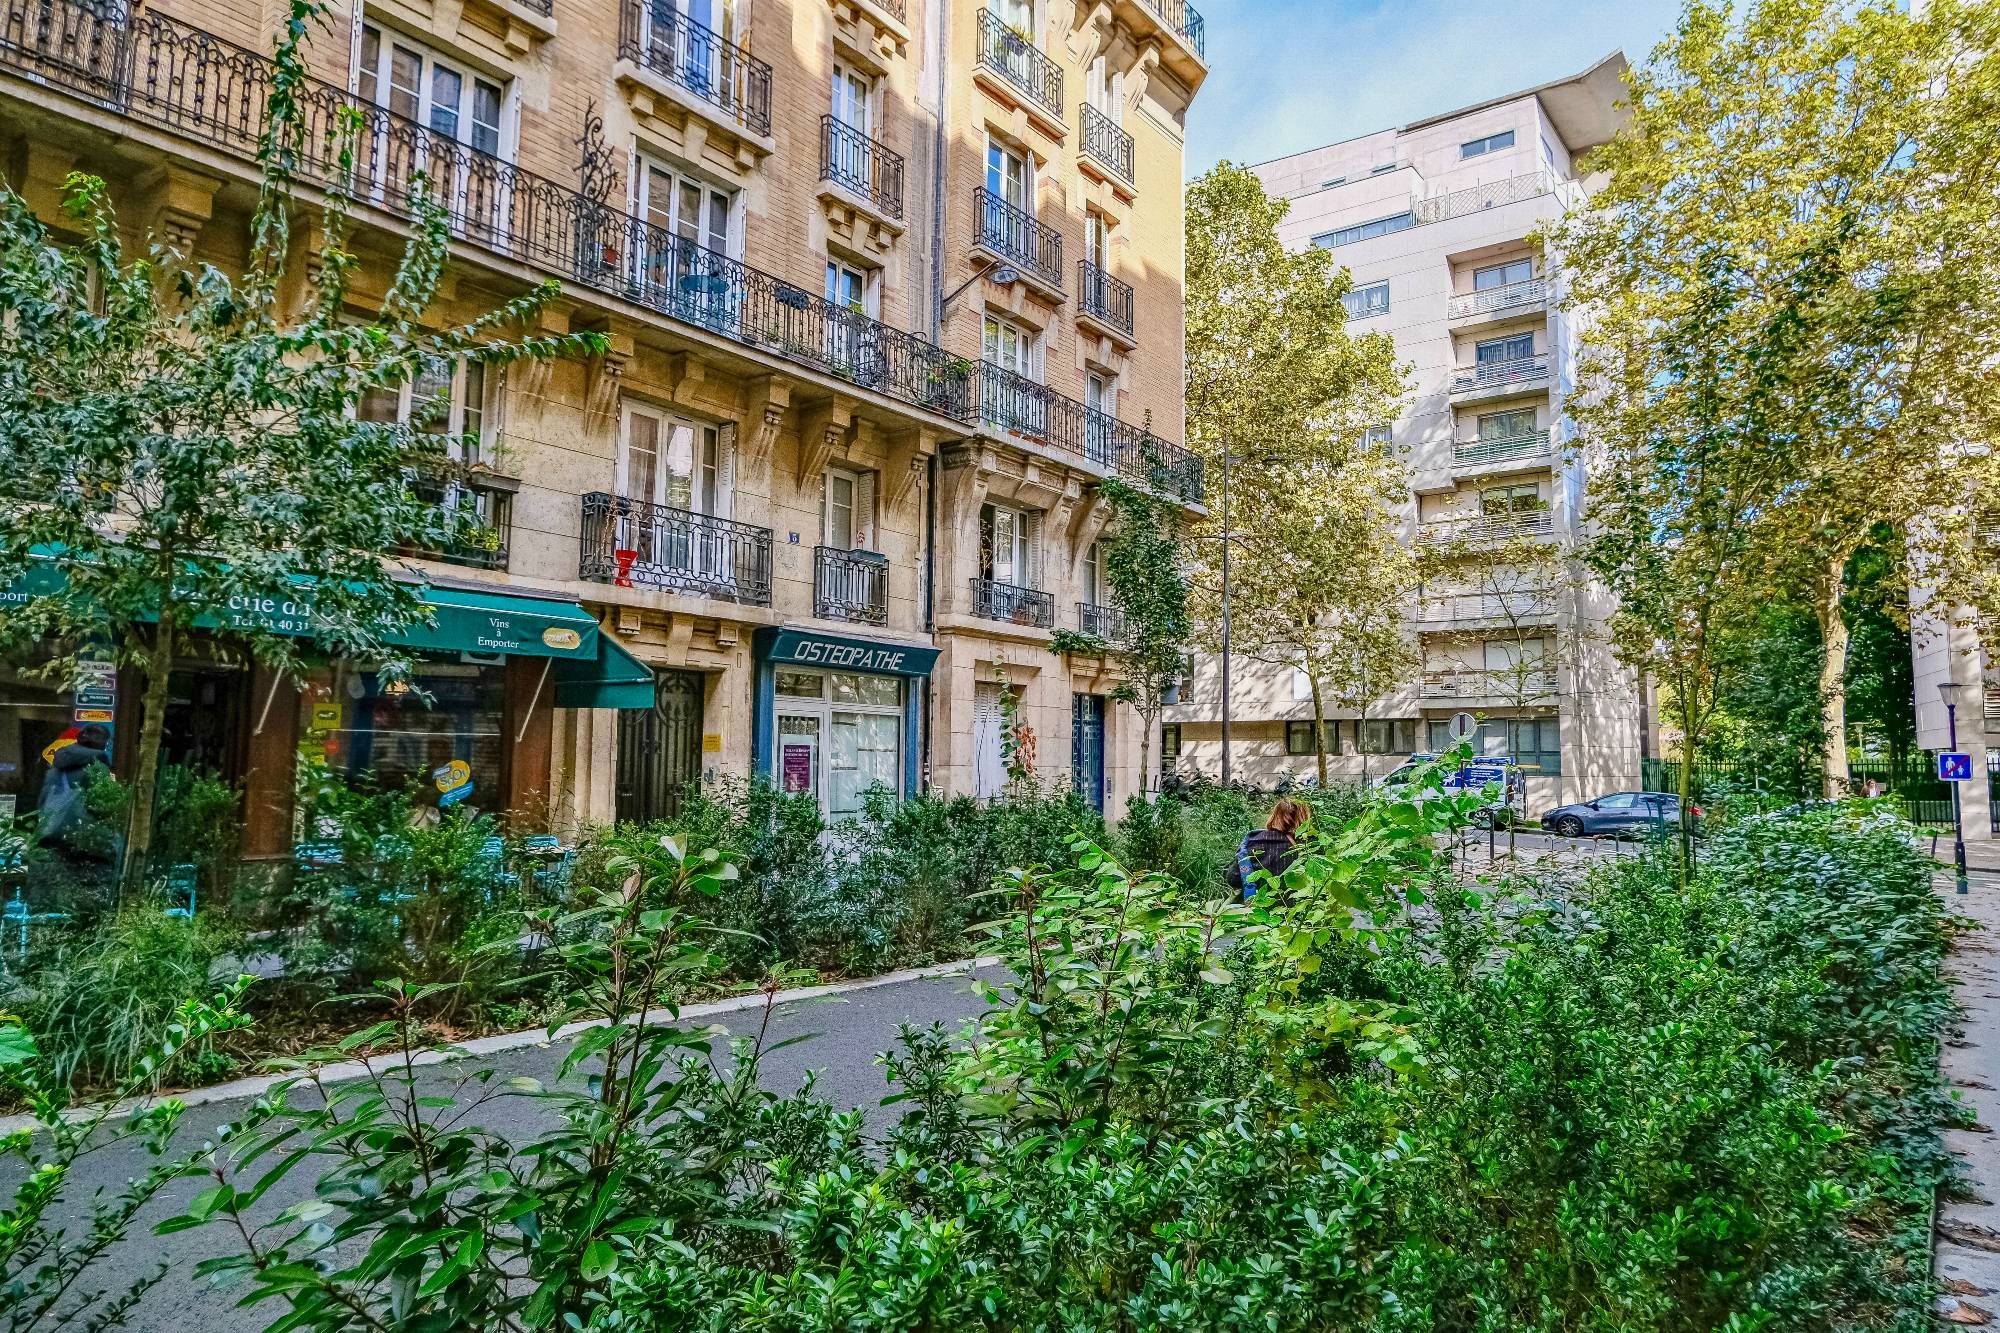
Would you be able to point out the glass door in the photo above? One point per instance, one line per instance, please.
(798, 766)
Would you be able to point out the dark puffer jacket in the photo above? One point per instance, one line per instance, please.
(1265, 849)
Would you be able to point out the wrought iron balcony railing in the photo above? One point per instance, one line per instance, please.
(657, 36)
(1107, 141)
(1103, 297)
(1523, 686)
(1513, 296)
(634, 543)
(1184, 19)
(1488, 528)
(1035, 412)
(1524, 447)
(169, 74)
(1014, 235)
(1522, 372)
(994, 600)
(1106, 622)
(850, 585)
(1015, 58)
(490, 507)
(870, 169)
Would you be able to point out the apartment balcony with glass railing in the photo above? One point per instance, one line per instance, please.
(1465, 612)
(1478, 529)
(1499, 379)
(1519, 450)
(1501, 686)
(1514, 298)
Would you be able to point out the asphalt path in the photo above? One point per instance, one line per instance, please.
(846, 1034)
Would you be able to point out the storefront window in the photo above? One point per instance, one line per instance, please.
(33, 715)
(839, 734)
(357, 724)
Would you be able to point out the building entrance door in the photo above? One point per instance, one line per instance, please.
(1086, 747)
(659, 748)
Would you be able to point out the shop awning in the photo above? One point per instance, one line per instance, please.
(588, 665)
(614, 679)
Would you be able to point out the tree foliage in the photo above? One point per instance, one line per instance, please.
(1794, 265)
(1318, 578)
(1143, 567)
(180, 450)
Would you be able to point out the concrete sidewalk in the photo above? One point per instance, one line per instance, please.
(1968, 1224)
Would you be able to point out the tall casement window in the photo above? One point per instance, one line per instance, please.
(447, 398)
(669, 460)
(1007, 545)
(1010, 346)
(685, 207)
(847, 510)
(416, 85)
(1009, 176)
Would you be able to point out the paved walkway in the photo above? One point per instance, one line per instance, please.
(1968, 1225)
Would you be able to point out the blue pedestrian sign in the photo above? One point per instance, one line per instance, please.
(1954, 767)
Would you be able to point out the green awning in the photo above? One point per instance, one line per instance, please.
(614, 679)
(491, 622)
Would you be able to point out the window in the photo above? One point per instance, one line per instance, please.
(840, 735)
(853, 101)
(446, 398)
(1378, 437)
(1502, 275)
(847, 510)
(1396, 735)
(668, 461)
(1018, 15)
(1007, 545)
(1170, 743)
(694, 211)
(850, 288)
(1492, 143)
(1507, 425)
(416, 85)
(1008, 177)
(1364, 231)
(1364, 302)
(1090, 578)
(1535, 743)
(1097, 240)
(1299, 738)
(1525, 498)
(1100, 398)
(1103, 89)
(1009, 346)
(1497, 351)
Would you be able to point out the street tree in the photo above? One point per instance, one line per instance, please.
(1143, 568)
(1296, 406)
(179, 446)
(1808, 187)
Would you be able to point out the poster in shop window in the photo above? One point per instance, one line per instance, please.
(796, 768)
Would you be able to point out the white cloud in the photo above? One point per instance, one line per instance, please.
(1286, 75)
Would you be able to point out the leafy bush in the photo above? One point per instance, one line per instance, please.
(198, 822)
(101, 993)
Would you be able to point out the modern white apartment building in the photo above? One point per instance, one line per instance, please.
(1436, 220)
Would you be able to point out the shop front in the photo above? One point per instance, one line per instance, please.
(835, 716)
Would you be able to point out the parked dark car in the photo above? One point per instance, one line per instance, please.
(1621, 814)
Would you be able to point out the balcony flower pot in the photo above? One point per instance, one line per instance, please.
(625, 557)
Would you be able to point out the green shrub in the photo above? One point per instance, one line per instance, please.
(199, 822)
(100, 994)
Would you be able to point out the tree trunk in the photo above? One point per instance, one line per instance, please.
(1360, 728)
(1685, 787)
(145, 778)
(1147, 726)
(1833, 684)
(1319, 730)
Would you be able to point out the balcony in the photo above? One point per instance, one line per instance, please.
(1488, 529)
(1515, 298)
(166, 73)
(1034, 412)
(1101, 297)
(1104, 622)
(851, 159)
(993, 600)
(636, 544)
(1106, 141)
(654, 35)
(487, 500)
(1499, 687)
(1500, 379)
(1185, 20)
(1467, 612)
(1480, 198)
(850, 585)
(1507, 453)
(1014, 236)
(1017, 61)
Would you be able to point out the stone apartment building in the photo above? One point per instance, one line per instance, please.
(1436, 222)
(889, 287)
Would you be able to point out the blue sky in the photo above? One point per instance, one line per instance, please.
(1291, 74)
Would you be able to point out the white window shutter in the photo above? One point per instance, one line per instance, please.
(725, 469)
(864, 512)
(1031, 550)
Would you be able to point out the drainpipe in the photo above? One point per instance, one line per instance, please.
(940, 20)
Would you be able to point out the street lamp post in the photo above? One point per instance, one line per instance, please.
(1227, 537)
(1948, 691)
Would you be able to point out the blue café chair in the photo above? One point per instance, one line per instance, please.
(178, 888)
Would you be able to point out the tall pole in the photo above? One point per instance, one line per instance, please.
(1227, 539)
(1957, 818)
